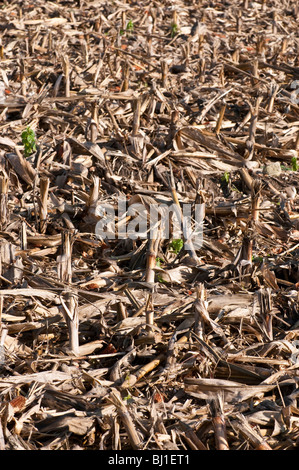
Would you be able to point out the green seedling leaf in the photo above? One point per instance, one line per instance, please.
(128, 397)
(177, 245)
(29, 141)
(160, 279)
(294, 164)
(130, 26)
(174, 29)
(225, 177)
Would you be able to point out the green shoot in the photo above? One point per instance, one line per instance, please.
(160, 279)
(177, 245)
(225, 177)
(128, 397)
(294, 164)
(174, 29)
(130, 26)
(29, 142)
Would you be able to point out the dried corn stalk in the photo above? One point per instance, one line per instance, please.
(126, 418)
(3, 201)
(69, 299)
(43, 203)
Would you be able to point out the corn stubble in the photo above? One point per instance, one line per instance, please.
(149, 343)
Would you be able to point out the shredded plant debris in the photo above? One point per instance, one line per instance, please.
(117, 332)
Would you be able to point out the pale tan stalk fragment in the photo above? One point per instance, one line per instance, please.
(69, 300)
(220, 432)
(126, 419)
(70, 306)
(121, 311)
(151, 260)
(220, 118)
(66, 71)
(2, 440)
(191, 438)
(23, 77)
(265, 302)
(147, 368)
(123, 20)
(125, 76)
(202, 316)
(164, 73)
(93, 196)
(273, 92)
(3, 201)
(136, 118)
(218, 420)
(92, 129)
(174, 122)
(3, 334)
(23, 236)
(256, 199)
(43, 203)
(64, 261)
(246, 178)
(247, 431)
(142, 371)
(149, 314)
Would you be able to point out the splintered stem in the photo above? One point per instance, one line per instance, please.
(149, 313)
(94, 195)
(249, 433)
(218, 419)
(64, 260)
(126, 419)
(136, 118)
(220, 118)
(123, 20)
(147, 368)
(66, 71)
(265, 302)
(256, 199)
(125, 76)
(151, 260)
(3, 201)
(220, 432)
(68, 300)
(43, 206)
(23, 236)
(190, 436)
(164, 73)
(70, 311)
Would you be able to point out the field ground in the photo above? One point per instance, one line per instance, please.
(126, 344)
